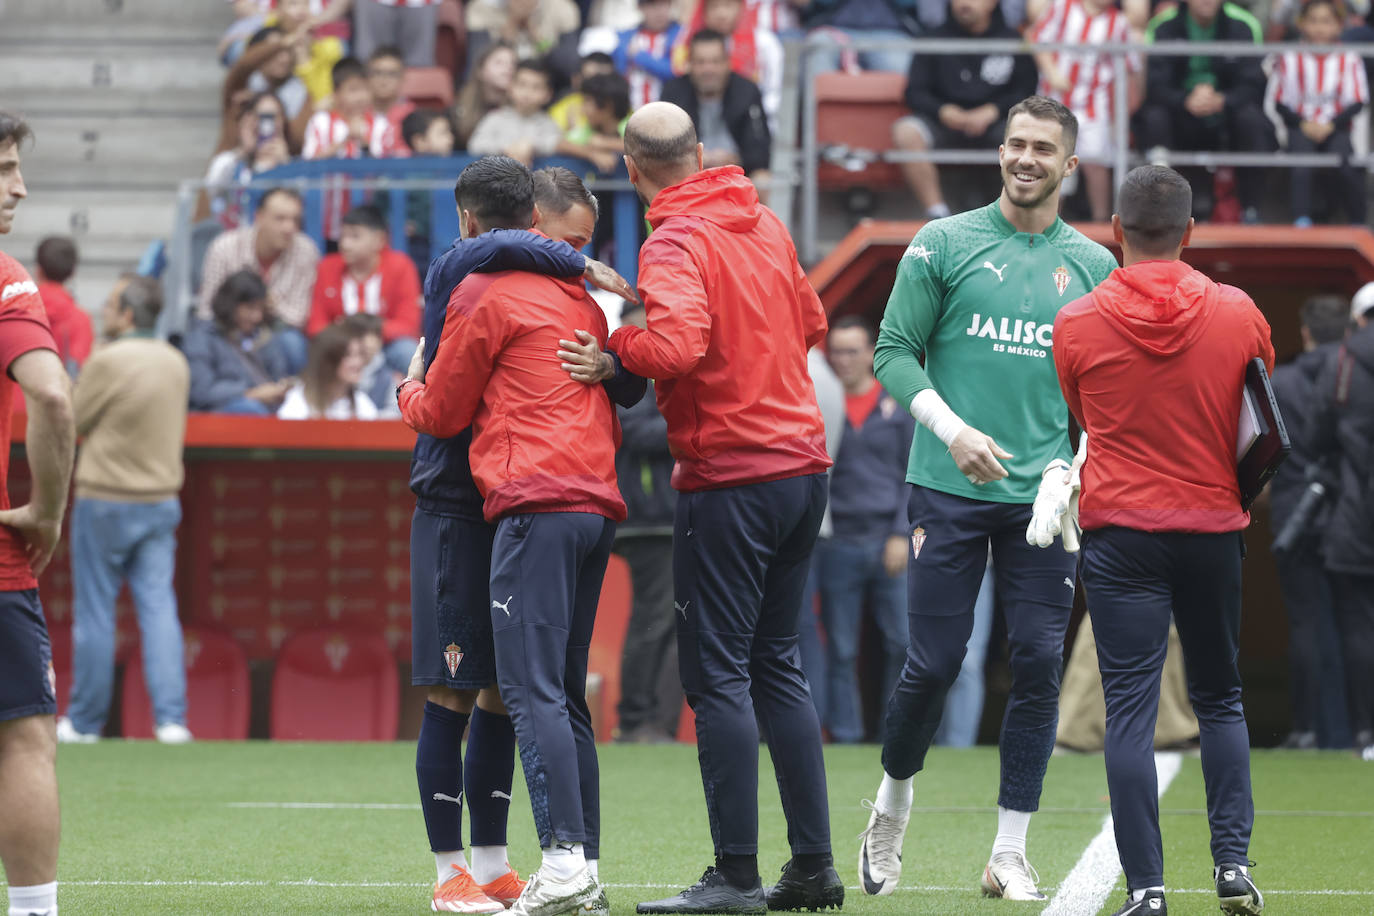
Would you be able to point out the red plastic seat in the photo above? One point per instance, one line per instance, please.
(335, 684)
(858, 110)
(451, 44)
(428, 87)
(217, 689)
(60, 638)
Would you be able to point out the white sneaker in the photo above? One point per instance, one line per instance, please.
(67, 733)
(601, 906)
(546, 897)
(880, 854)
(173, 733)
(1011, 877)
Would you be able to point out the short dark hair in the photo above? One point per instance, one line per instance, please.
(597, 57)
(57, 258)
(1154, 206)
(13, 129)
(360, 324)
(538, 67)
(345, 69)
(856, 321)
(557, 189)
(367, 216)
(662, 158)
(499, 191)
(273, 192)
(704, 36)
(384, 52)
(239, 288)
(265, 33)
(143, 297)
(1337, 7)
(611, 90)
(1326, 318)
(1043, 109)
(417, 123)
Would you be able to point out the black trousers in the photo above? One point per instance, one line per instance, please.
(650, 690)
(1345, 183)
(1315, 671)
(1241, 129)
(1355, 625)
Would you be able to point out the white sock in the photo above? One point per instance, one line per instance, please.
(592, 866)
(1140, 894)
(894, 795)
(489, 863)
(563, 861)
(1011, 831)
(34, 900)
(444, 862)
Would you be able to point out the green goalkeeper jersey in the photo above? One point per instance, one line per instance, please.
(976, 300)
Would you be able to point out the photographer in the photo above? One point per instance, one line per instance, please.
(1300, 498)
(1344, 427)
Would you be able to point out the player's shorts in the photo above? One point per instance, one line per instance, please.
(28, 686)
(1095, 140)
(450, 611)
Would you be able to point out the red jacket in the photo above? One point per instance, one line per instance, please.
(541, 441)
(1152, 364)
(393, 293)
(71, 326)
(730, 317)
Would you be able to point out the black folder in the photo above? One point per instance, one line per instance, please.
(1262, 441)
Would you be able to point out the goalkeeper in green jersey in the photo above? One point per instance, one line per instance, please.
(975, 300)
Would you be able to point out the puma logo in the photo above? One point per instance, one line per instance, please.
(505, 607)
(1068, 582)
(682, 608)
(497, 793)
(440, 796)
(996, 270)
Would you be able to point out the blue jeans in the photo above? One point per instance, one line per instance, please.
(852, 575)
(113, 542)
(247, 406)
(892, 60)
(964, 702)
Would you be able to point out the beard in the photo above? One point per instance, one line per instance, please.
(1046, 191)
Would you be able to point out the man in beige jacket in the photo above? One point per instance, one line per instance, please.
(130, 405)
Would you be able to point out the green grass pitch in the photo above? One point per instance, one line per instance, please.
(201, 829)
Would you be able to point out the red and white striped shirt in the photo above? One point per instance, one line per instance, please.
(644, 86)
(1318, 87)
(1089, 72)
(327, 129)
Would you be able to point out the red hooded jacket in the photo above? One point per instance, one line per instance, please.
(541, 441)
(730, 318)
(1152, 364)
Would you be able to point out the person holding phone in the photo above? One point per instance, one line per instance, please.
(261, 146)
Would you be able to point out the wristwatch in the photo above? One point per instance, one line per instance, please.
(404, 382)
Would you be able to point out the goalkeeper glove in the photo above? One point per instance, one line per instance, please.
(1055, 511)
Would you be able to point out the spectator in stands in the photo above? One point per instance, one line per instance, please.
(755, 52)
(268, 65)
(237, 365)
(130, 404)
(328, 388)
(71, 326)
(386, 71)
(644, 54)
(1081, 79)
(959, 101)
(846, 20)
(261, 147)
(275, 248)
(1206, 103)
(315, 55)
(546, 29)
(605, 109)
(429, 133)
(726, 108)
(366, 277)
(377, 380)
(410, 25)
(1317, 96)
(521, 129)
(249, 17)
(567, 111)
(350, 128)
(487, 89)
(864, 563)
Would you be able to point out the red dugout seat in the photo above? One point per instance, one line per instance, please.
(335, 684)
(857, 110)
(451, 44)
(217, 689)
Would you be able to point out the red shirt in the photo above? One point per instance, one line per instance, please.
(71, 326)
(392, 292)
(1152, 364)
(859, 406)
(541, 442)
(23, 327)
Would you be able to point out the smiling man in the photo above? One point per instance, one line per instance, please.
(975, 298)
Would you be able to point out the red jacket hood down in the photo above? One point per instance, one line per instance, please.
(1152, 364)
(730, 318)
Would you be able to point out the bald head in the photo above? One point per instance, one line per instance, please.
(662, 142)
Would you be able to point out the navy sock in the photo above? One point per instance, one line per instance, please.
(488, 774)
(439, 773)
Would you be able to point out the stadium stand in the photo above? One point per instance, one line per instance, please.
(335, 684)
(217, 689)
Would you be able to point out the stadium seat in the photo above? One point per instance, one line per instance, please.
(217, 690)
(335, 684)
(60, 637)
(428, 87)
(856, 111)
(451, 44)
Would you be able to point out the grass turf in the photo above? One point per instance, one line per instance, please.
(153, 829)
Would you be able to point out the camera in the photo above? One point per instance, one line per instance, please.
(267, 126)
(1320, 487)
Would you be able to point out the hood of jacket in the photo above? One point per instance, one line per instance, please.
(724, 196)
(1163, 307)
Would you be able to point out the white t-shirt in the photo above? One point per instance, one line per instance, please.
(295, 407)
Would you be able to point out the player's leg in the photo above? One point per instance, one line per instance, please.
(98, 551)
(1129, 582)
(29, 827)
(1207, 607)
(949, 538)
(151, 569)
(488, 773)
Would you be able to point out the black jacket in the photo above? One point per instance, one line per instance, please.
(644, 467)
(744, 116)
(1345, 427)
(1240, 79)
(969, 80)
(1295, 389)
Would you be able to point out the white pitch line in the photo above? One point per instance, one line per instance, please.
(1094, 875)
(327, 806)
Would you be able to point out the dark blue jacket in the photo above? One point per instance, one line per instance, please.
(222, 370)
(440, 475)
(1344, 427)
(644, 467)
(868, 482)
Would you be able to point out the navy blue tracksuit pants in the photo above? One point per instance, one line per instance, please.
(546, 574)
(1134, 581)
(950, 538)
(740, 562)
